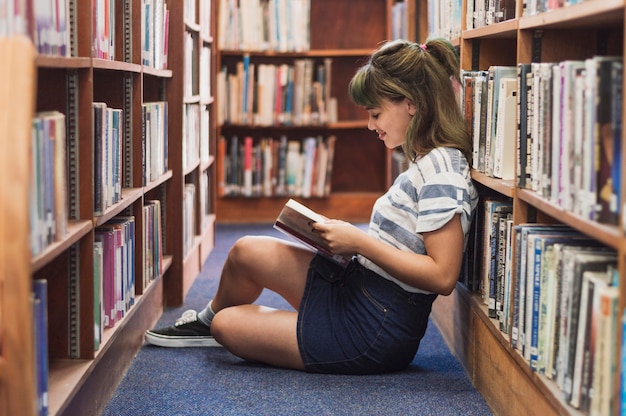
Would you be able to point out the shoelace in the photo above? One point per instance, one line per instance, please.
(187, 316)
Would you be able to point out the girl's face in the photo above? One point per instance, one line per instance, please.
(390, 121)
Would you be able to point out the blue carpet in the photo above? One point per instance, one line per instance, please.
(211, 381)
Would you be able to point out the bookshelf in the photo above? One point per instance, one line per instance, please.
(191, 157)
(361, 170)
(497, 369)
(142, 176)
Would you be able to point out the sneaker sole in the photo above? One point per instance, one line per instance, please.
(180, 342)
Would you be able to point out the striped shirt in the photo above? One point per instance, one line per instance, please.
(423, 198)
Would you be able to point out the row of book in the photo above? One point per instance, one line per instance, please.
(205, 199)
(555, 297)
(532, 7)
(573, 135)
(196, 135)
(262, 25)
(48, 189)
(189, 218)
(155, 140)
(400, 20)
(154, 33)
(108, 156)
(204, 75)
(282, 94)
(114, 270)
(191, 74)
(115, 260)
(104, 33)
(482, 13)
(490, 106)
(153, 241)
(444, 18)
(271, 167)
(565, 120)
(195, 199)
(190, 10)
(46, 22)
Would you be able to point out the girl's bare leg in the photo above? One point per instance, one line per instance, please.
(254, 332)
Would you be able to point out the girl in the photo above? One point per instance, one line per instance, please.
(369, 317)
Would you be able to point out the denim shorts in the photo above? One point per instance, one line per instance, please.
(353, 321)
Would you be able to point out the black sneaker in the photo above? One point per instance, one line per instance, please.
(188, 331)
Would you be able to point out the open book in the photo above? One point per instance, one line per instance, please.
(295, 221)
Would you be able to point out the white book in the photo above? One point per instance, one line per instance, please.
(504, 146)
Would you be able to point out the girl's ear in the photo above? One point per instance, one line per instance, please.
(411, 107)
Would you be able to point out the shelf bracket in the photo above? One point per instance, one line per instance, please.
(536, 45)
(73, 149)
(128, 130)
(128, 33)
(73, 298)
(73, 20)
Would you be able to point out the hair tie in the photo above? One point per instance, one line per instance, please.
(423, 46)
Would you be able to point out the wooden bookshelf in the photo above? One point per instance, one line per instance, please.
(185, 92)
(84, 371)
(497, 369)
(361, 168)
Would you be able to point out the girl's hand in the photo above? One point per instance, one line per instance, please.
(340, 237)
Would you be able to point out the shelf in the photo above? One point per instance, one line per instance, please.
(579, 16)
(115, 65)
(329, 127)
(313, 53)
(504, 187)
(607, 234)
(45, 61)
(76, 231)
(352, 207)
(506, 29)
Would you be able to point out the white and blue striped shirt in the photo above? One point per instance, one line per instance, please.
(423, 198)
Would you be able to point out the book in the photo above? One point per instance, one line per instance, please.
(494, 75)
(504, 139)
(523, 90)
(40, 316)
(604, 397)
(587, 329)
(294, 220)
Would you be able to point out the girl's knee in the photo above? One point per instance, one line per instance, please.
(246, 245)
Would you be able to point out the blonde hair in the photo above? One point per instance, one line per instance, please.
(423, 74)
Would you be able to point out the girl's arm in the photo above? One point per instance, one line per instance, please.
(437, 271)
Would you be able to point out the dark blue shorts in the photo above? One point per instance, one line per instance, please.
(353, 321)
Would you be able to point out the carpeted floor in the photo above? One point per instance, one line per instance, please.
(211, 381)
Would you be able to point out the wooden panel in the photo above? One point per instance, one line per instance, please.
(361, 24)
(17, 105)
(452, 317)
(504, 385)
